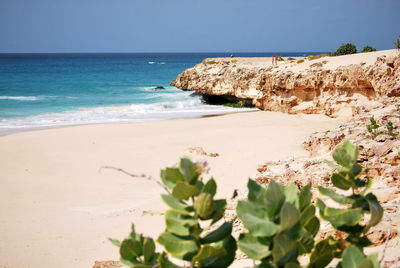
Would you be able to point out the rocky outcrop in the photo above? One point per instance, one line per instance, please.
(379, 154)
(314, 86)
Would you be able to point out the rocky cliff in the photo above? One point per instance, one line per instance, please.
(323, 85)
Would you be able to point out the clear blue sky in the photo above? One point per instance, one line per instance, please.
(196, 25)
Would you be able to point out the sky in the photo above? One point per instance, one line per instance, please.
(51, 26)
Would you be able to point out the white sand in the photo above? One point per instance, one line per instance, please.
(57, 210)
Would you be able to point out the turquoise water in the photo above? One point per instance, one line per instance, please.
(43, 90)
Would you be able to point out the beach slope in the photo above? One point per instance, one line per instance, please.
(57, 209)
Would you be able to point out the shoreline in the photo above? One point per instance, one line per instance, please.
(15, 131)
(51, 178)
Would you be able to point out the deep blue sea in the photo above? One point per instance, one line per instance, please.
(46, 90)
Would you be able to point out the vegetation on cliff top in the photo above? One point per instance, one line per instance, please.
(368, 49)
(397, 43)
(281, 222)
(345, 49)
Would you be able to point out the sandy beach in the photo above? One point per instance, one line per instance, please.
(57, 209)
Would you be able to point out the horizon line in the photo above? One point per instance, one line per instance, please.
(177, 52)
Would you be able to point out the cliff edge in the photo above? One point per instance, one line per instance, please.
(321, 85)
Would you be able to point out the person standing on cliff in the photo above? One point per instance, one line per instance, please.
(274, 60)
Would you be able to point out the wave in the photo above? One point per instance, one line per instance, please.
(20, 98)
(188, 108)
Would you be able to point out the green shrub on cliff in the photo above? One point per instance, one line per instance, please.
(281, 222)
(345, 49)
(210, 62)
(299, 61)
(368, 49)
(397, 43)
(315, 57)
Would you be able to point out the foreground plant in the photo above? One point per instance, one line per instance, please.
(351, 216)
(187, 237)
(281, 222)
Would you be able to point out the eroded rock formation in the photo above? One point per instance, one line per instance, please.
(318, 86)
(379, 154)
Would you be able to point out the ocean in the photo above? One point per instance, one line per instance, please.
(48, 90)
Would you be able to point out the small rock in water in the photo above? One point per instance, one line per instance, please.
(158, 88)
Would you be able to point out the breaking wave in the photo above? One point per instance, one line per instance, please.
(191, 107)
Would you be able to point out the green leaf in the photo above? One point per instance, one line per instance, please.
(360, 183)
(165, 263)
(274, 198)
(115, 242)
(291, 194)
(208, 251)
(375, 209)
(346, 155)
(229, 244)
(366, 264)
(179, 223)
(356, 169)
(130, 249)
(204, 205)
(372, 261)
(255, 248)
(339, 217)
(307, 214)
(292, 265)
(305, 197)
(256, 191)
(352, 257)
(284, 250)
(189, 170)
(309, 221)
(210, 187)
(323, 253)
(178, 246)
(254, 220)
(200, 185)
(355, 229)
(362, 241)
(170, 176)
(219, 234)
(219, 207)
(341, 199)
(305, 242)
(149, 248)
(174, 203)
(183, 190)
(265, 264)
(289, 216)
(340, 182)
(312, 226)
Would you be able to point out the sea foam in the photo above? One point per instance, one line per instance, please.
(20, 98)
(190, 107)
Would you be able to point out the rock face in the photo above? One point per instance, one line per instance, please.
(379, 154)
(314, 86)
